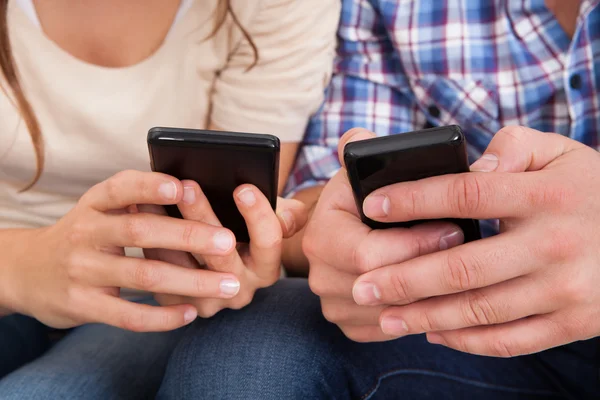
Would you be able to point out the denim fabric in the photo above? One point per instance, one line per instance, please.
(90, 362)
(281, 347)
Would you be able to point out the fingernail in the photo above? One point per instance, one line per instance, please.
(376, 206)
(247, 197)
(189, 195)
(223, 241)
(190, 315)
(452, 239)
(394, 326)
(366, 293)
(168, 190)
(229, 287)
(288, 220)
(435, 338)
(487, 163)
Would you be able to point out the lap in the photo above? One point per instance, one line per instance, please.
(95, 362)
(281, 347)
(22, 339)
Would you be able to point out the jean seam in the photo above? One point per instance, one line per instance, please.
(368, 395)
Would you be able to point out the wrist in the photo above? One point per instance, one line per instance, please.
(14, 244)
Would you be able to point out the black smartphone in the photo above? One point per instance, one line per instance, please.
(383, 161)
(219, 162)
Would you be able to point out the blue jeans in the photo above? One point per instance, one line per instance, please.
(280, 347)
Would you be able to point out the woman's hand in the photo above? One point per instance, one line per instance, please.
(70, 273)
(532, 287)
(255, 265)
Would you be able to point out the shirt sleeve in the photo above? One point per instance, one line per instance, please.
(367, 90)
(296, 47)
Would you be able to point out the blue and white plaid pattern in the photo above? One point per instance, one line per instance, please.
(481, 64)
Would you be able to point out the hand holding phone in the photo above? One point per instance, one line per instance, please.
(383, 161)
(219, 162)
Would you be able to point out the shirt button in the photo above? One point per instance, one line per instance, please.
(434, 111)
(575, 82)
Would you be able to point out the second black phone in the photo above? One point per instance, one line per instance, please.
(383, 161)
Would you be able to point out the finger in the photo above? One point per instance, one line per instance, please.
(346, 312)
(138, 317)
(335, 228)
(195, 204)
(477, 195)
(196, 207)
(160, 277)
(133, 187)
(181, 258)
(358, 250)
(365, 334)
(156, 231)
(264, 229)
(520, 149)
(470, 266)
(353, 135)
(505, 302)
(525, 336)
(326, 281)
(292, 216)
(474, 195)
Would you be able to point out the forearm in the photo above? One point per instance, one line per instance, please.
(294, 260)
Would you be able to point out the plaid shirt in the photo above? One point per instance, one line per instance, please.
(481, 64)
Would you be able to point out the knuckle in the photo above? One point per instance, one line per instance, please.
(363, 259)
(554, 196)
(78, 233)
(144, 275)
(317, 284)
(560, 245)
(468, 194)
(76, 265)
(461, 273)
(477, 309)
(135, 229)
(132, 321)
(330, 313)
(416, 199)
(73, 297)
(269, 278)
(188, 234)
(426, 322)
(577, 290)
(356, 334)
(311, 242)
(209, 309)
(270, 241)
(572, 328)
(113, 186)
(200, 285)
(241, 300)
(504, 349)
(400, 287)
(351, 333)
(515, 133)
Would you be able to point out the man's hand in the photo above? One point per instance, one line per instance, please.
(534, 286)
(340, 248)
